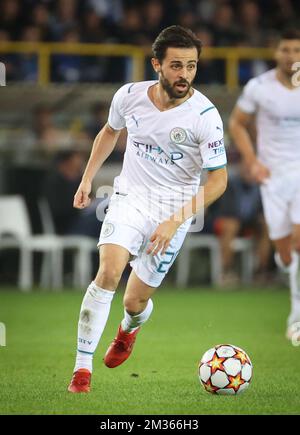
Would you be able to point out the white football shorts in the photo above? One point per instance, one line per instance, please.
(281, 203)
(126, 226)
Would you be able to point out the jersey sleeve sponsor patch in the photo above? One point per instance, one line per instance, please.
(212, 147)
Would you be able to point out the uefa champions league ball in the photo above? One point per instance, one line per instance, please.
(225, 369)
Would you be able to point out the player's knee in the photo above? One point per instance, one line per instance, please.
(134, 305)
(108, 277)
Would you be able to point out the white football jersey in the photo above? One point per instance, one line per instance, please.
(167, 150)
(277, 110)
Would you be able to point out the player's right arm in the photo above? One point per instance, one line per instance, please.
(239, 123)
(103, 146)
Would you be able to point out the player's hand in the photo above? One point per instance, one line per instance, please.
(259, 172)
(162, 236)
(81, 198)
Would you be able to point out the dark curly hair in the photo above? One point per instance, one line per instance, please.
(174, 36)
(290, 34)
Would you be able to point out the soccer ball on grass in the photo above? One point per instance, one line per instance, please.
(225, 369)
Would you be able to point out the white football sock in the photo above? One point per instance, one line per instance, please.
(92, 320)
(131, 323)
(293, 271)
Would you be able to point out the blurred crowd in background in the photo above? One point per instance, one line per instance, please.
(253, 23)
(228, 22)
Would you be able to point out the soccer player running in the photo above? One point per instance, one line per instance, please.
(273, 98)
(174, 132)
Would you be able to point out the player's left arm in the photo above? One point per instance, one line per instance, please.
(214, 187)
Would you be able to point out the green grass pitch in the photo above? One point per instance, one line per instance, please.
(161, 375)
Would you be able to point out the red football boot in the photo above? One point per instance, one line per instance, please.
(120, 348)
(81, 382)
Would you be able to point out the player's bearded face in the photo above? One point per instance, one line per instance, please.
(178, 89)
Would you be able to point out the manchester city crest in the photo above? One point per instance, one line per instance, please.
(178, 135)
(107, 229)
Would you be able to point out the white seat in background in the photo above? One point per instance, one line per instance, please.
(81, 247)
(211, 243)
(15, 232)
